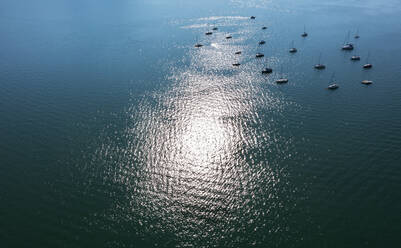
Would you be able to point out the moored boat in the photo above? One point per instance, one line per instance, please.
(355, 57)
(320, 66)
(367, 65)
(333, 85)
(347, 45)
(267, 70)
(366, 82)
(304, 34)
(282, 81)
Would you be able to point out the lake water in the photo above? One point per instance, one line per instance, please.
(115, 131)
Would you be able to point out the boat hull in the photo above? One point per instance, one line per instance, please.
(332, 87)
(366, 82)
(320, 67)
(367, 66)
(267, 71)
(282, 81)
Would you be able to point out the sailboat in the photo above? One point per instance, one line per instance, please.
(366, 82)
(304, 34)
(367, 65)
(347, 45)
(259, 54)
(281, 80)
(355, 57)
(357, 34)
(267, 70)
(293, 49)
(332, 85)
(320, 66)
(197, 45)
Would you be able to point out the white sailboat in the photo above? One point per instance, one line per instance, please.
(355, 57)
(347, 45)
(332, 84)
(292, 48)
(367, 65)
(282, 80)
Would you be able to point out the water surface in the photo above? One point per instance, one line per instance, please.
(117, 132)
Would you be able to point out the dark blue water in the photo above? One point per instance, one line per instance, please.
(115, 131)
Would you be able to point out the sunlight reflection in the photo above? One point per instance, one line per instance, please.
(203, 137)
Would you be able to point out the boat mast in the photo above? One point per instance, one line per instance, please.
(281, 71)
(332, 78)
(346, 40)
